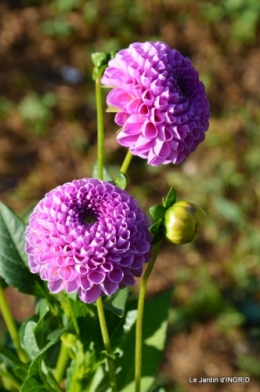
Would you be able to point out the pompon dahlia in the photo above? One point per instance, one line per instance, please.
(88, 236)
(161, 103)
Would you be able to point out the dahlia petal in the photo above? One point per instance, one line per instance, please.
(118, 98)
(109, 287)
(125, 139)
(149, 130)
(138, 272)
(116, 275)
(162, 149)
(128, 279)
(133, 106)
(84, 283)
(90, 295)
(121, 117)
(56, 286)
(96, 277)
(143, 144)
(71, 286)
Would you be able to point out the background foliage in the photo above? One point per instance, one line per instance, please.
(48, 136)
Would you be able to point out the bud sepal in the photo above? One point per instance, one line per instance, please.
(177, 221)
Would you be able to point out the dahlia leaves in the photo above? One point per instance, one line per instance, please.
(12, 231)
(116, 303)
(13, 259)
(170, 198)
(121, 180)
(154, 334)
(106, 175)
(157, 211)
(39, 377)
(82, 315)
(156, 227)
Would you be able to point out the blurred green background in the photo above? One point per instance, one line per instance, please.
(48, 137)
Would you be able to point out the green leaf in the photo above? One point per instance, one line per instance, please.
(113, 53)
(106, 175)
(33, 384)
(154, 336)
(43, 308)
(170, 198)
(29, 339)
(9, 356)
(39, 378)
(79, 311)
(13, 259)
(116, 303)
(121, 180)
(157, 211)
(13, 228)
(156, 227)
(99, 59)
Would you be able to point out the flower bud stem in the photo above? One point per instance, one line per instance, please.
(100, 124)
(126, 162)
(100, 154)
(10, 378)
(62, 362)
(106, 340)
(7, 316)
(139, 320)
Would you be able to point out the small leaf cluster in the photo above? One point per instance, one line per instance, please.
(100, 61)
(157, 213)
(120, 181)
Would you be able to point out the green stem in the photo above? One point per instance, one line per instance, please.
(107, 345)
(11, 379)
(100, 124)
(101, 314)
(126, 162)
(11, 326)
(62, 362)
(139, 320)
(13, 358)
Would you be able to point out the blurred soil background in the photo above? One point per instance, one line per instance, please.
(48, 137)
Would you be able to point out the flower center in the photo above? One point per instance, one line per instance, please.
(89, 219)
(182, 85)
(82, 214)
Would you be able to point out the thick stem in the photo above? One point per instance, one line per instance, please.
(107, 345)
(100, 124)
(7, 316)
(8, 376)
(126, 162)
(139, 320)
(62, 362)
(101, 314)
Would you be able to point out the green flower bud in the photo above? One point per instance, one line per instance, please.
(181, 222)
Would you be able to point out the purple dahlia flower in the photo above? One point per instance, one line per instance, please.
(88, 236)
(161, 104)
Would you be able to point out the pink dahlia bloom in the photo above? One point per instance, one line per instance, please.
(88, 236)
(161, 104)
